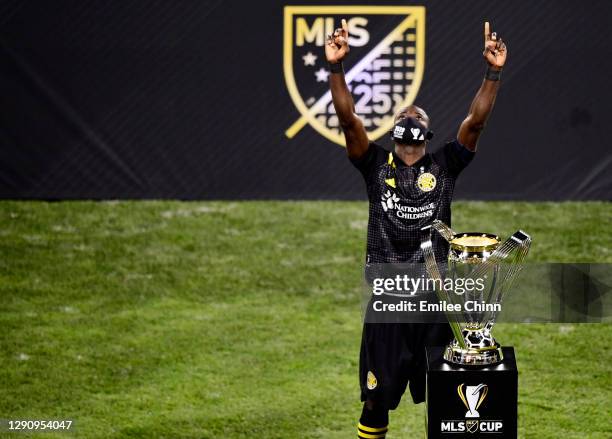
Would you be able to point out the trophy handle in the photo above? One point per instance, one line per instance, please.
(446, 232)
(434, 272)
(516, 248)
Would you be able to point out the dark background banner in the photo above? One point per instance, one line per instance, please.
(187, 99)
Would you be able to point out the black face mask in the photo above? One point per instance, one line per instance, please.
(410, 131)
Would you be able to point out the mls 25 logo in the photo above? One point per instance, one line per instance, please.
(384, 69)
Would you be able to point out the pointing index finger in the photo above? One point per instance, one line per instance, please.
(345, 26)
(486, 31)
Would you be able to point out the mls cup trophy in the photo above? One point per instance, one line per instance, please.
(475, 256)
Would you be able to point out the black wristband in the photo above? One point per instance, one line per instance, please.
(492, 74)
(336, 67)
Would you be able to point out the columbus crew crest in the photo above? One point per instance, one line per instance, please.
(383, 70)
(372, 382)
(426, 182)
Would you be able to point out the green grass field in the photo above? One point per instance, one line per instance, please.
(242, 319)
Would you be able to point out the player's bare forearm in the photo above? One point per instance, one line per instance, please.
(481, 108)
(342, 99)
(354, 132)
(495, 53)
(336, 49)
(483, 102)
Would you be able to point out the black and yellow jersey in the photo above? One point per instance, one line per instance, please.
(403, 199)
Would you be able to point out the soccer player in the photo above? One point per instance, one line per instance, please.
(407, 188)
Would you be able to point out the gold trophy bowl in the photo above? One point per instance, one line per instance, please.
(482, 256)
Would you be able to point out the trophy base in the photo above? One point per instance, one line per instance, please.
(473, 357)
(481, 349)
(447, 413)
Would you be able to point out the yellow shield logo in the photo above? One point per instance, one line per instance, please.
(371, 381)
(426, 182)
(384, 69)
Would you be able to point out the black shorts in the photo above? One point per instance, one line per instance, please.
(393, 355)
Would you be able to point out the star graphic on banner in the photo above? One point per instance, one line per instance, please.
(309, 59)
(322, 75)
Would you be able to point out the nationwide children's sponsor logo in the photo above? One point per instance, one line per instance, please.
(383, 71)
(472, 398)
(392, 203)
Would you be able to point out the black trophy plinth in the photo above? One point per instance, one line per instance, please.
(471, 402)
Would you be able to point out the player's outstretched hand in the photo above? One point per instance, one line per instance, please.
(494, 49)
(336, 46)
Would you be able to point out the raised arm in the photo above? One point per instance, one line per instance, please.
(495, 53)
(336, 49)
